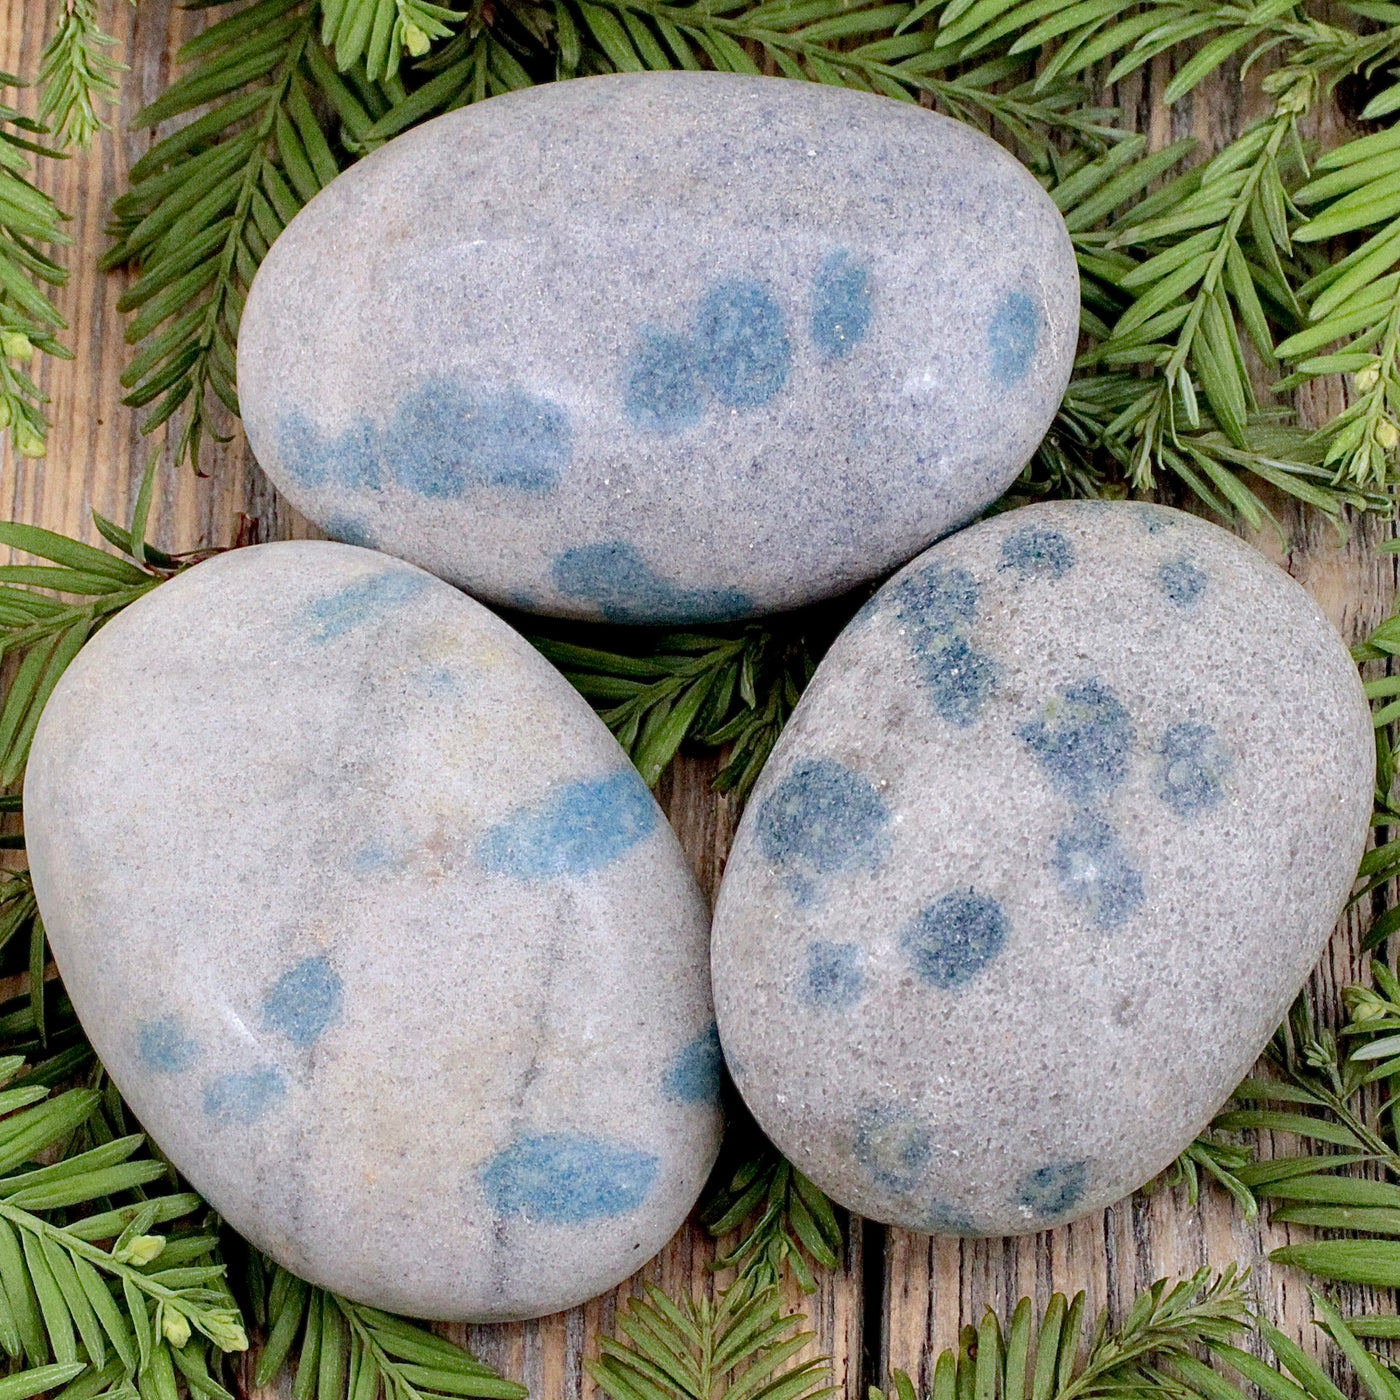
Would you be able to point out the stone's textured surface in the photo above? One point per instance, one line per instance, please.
(379, 933)
(664, 346)
(1029, 880)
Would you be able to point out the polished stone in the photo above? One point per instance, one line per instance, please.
(379, 933)
(662, 347)
(1038, 865)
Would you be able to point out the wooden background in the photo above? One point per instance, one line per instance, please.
(898, 1298)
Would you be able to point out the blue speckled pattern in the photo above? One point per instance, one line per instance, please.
(694, 1075)
(678, 314)
(989, 944)
(582, 827)
(613, 577)
(893, 1146)
(305, 1001)
(952, 941)
(823, 818)
(239, 1100)
(1012, 337)
(568, 1179)
(403, 928)
(1192, 767)
(841, 305)
(1095, 871)
(164, 1046)
(835, 975)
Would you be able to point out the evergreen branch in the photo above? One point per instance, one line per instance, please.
(76, 74)
(1164, 1328)
(29, 320)
(346, 1351)
(206, 203)
(105, 1317)
(378, 32)
(783, 1218)
(735, 1348)
(690, 687)
(1218, 1161)
(1355, 301)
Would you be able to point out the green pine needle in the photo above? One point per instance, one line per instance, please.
(782, 1219)
(30, 222)
(736, 1347)
(347, 1351)
(712, 690)
(1151, 1351)
(77, 75)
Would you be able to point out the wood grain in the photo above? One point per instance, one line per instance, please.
(898, 1297)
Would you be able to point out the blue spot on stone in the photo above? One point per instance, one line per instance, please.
(625, 588)
(662, 392)
(742, 351)
(1036, 552)
(840, 305)
(835, 975)
(1083, 741)
(694, 1075)
(959, 678)
(1192, 765)
(936, 602)
(578, 828)
(350, 531)
(822, 818)
(1094, 870)
(1181, 581)
(447, 438)
(374, 858)
(955, 938)
(1012, 336)
(892, 1147)
(350, 459)
(164, 1047)
(942, 1218)
(936, 608)
(1154, 518)
(568, 1179)
(241, 1099)
(305, 1002)
(361, 602)
(1053, 1190)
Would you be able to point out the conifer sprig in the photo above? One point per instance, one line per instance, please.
(30, 226)
(77, 75)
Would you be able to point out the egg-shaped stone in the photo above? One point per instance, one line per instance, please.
(379, 933)
(1037, 867)
(661, 347)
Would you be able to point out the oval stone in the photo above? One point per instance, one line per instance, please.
(661, 347)
(379, 933)
(1052, 840)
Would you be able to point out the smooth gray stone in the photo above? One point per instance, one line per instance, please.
(661, 347)
(379, 933)
(1051, 842)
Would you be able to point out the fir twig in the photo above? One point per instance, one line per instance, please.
(346, 1351)
(736, 1348)
(1152, 1350)
(29, 222)
(76, 75)
(783, 1219)
(712, 690)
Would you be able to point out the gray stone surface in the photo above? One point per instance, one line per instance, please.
(661, 347)
(1051, 842)
(379, 933)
